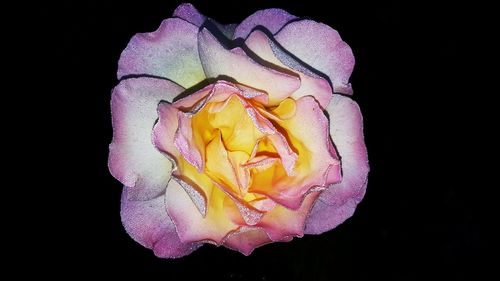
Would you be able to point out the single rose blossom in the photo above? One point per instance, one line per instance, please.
(241, 143)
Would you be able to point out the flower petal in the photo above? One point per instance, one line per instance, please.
(133, 159)
(311, 83)
(272, 19)
(186, 144)
(282, 222)
(239, 211)
(287, 155)
(219, 91)
(147, 223)
(239, 131)
(321, 47)
(235, 63)
(243, 176)
(164, 130)
(190, 224)
(338, 202)
(197, 185)
(246, 239)
(188, 12)
(196, 194)
(307, 132)
(218, 165)
(170, 52)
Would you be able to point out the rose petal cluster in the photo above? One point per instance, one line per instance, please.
(235, 135)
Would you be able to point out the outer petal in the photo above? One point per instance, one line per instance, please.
(339, 201)
(321, 47)
(133, 159)
(246, 239)
(235, 63)
(272, 19)
(190, 224)
(170, 52)
(148, 224)
(311, 84)
(188, 12)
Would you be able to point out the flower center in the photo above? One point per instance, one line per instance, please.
(229, 135)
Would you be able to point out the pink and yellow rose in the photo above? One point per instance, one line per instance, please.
(237, 146)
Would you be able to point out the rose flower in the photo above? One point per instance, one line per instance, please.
(235, 135)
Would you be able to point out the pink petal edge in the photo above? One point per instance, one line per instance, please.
(188, 12)
(338, 202)
(147, 223)
(272, 19)
(247, 239)
(321, 47)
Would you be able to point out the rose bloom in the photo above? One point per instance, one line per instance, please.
(235, 135)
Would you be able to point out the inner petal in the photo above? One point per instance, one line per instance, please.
(189, 146)
(285, 110)
(316, 165)
(254, 155)
(192, 226)
(237, 158)
(236, 127)
(218, 166)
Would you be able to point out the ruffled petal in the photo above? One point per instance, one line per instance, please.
(216, 92)
(164, 130)
(239, 132)
(186, 143)
(188, 12)
(241, 213)
(311, 83)
(246, 239)
(271, 19)
(282, 223)
(147, 223)
(338, 202)
(170, 52)
(321, 47)
(218, 165)
(190, 224)
(235, 63)
(287, 155)
(316, 165)
(197, 185)
(133, 159)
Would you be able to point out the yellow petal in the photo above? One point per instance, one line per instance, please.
(218, 166)
(286, 109)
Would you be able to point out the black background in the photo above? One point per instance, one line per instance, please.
(418, 219)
